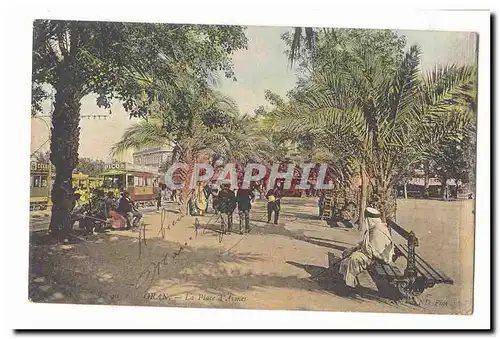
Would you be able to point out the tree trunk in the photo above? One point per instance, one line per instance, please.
(426, 186)
(185, 192)
(406, 192)
(363, 198)
(386, 203)
(64, 147)
(185, 155)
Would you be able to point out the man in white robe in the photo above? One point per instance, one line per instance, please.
(376, 244)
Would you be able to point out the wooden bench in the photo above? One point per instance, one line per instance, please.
(417, 276)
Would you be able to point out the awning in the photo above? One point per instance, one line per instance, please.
(80, 176)
(114, 172)
(432, 182)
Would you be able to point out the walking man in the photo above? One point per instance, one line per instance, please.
(226, 205)
(244, 198)
(273, 204)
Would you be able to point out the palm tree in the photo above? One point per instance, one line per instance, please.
(215, 130)
(301, 35)
(381, 118)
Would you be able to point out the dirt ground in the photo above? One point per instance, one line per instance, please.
(186, 262)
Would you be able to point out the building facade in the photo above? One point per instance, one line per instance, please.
(152, 156)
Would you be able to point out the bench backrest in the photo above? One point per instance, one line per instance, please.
(411, 269)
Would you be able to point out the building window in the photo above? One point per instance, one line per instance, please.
(37, 181)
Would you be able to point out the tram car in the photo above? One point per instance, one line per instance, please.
(141, 182)
(85, 185)
(41, 177)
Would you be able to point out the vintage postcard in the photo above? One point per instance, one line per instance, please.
(250, 167)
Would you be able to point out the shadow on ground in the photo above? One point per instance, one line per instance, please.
(333, 283)
(280, 229)
(111, 269)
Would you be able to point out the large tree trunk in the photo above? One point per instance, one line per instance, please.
(185, 155)
(64, 147)
(387, 206)
(185, 192)
(363, 198)
(383, 199)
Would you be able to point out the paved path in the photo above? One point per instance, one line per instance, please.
(274, 267)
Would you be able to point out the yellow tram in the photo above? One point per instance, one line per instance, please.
(140, 181)
(84, 185)
(41, 177)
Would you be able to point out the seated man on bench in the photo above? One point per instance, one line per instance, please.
(376, 244)
(127, 209)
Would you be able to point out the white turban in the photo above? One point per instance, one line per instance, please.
(372, 217)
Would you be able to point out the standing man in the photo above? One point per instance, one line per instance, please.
(244, 198)
(321, 202)
(126, 208)
(207, 190)
(226, 205)
(160, 195)
(273, 204)
(215, 197)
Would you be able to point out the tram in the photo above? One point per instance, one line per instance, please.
(41, 177)
(140, 181)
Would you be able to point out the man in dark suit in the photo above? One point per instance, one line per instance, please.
(244, 198)
(226, 205)
(273, 204)
(127, 209)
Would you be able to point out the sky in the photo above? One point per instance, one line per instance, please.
(264, 65)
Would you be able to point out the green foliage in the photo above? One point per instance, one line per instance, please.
(365, 101)
(301, 40)
(145, 66)
(455, 161)
(217, 131)
(41, 157)
(122, 60)
(92, 167)
(273, 98)
(260, 111)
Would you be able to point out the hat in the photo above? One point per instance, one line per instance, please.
(371, 212)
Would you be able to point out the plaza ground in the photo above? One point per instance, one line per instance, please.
(186, 262)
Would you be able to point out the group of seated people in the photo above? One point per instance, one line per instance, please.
(104, 211)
